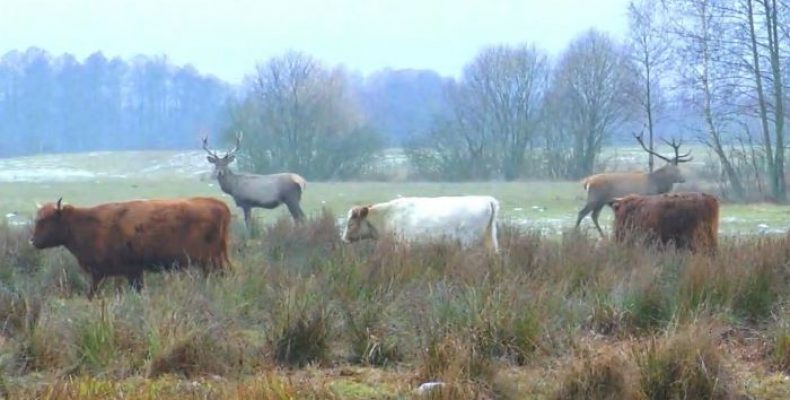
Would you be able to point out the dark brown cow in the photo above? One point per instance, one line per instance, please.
(123, 239)
(687, 220)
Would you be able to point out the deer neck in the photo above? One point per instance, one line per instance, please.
(659, 181)
(227, 181)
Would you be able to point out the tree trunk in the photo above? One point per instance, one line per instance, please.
(777, 176)
(715, 141)
(758, 79)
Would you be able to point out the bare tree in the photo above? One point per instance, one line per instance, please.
(770, 100)
(300, 116)
(650, 51)
(495, 111)
(700, 30)
(592, 88)
(733, 53)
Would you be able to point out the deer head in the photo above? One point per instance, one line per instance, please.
(221, 163)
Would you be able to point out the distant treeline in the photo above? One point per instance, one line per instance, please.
(61, 104)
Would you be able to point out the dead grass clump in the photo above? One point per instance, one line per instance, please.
(373, 342)
(606, 318)
(756, 293)
(704, 286)
(211, 352)
(303, 339)
(318, 236)
(44, 345)
(780, 350)
(15, 251)
(18, 312)
(452, 359)
(647, 307)
(596, 377)
(685, 366)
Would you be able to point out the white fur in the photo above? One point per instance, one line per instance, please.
(469, 219)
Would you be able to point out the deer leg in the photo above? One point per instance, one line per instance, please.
(295, 210)
(247, 217)
(596, 212)
(583, 213)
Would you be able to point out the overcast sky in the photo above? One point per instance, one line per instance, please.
(227, 38)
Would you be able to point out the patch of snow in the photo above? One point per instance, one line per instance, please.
(428, 387)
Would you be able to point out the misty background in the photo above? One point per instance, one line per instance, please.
(479, 91)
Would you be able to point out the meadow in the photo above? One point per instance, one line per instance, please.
(556, 315)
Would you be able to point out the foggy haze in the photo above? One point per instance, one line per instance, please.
(228, 38)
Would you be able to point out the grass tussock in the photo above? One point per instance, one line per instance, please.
(780, 350)
(604, 376)
(684, 366)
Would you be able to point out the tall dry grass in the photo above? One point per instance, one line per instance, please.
(298, 297)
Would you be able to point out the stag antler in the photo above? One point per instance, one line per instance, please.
(205, 147)
(639, 138)
(239, 135)
(675, 144)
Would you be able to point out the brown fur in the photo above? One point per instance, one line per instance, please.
(123, 239)
(687, 220)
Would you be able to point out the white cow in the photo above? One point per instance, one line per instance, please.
(468, 219)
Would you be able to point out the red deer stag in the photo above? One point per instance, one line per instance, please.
(685, 220)
(126, 238)
(251, 190)
(603, 188)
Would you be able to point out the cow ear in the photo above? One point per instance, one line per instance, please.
(363, 211)
(615, 203)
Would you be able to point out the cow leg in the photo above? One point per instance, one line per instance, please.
(136, 280)
(583, 213)
(596, 212)
(295, 210)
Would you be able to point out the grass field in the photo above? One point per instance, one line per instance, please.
(556, 315)
(93, 178)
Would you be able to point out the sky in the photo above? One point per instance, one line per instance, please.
(227, 38)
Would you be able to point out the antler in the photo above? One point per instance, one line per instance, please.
(639, 139)
(675, 144)
(239, 135)
(205, 147)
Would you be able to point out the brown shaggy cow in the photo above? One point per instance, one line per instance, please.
(688, 220)
(123, 239)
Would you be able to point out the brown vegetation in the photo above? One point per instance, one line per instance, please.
(304, 315)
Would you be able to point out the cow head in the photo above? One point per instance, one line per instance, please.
(50, 230)
(357, 226)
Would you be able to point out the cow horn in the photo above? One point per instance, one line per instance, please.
(38, 205)
(60, 200)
